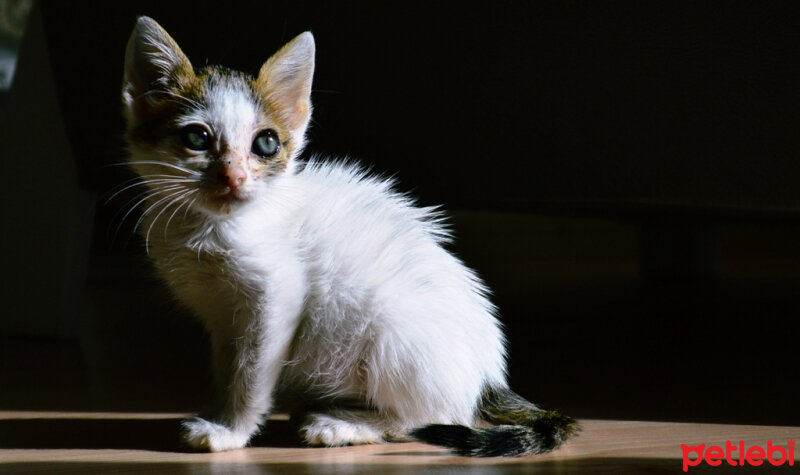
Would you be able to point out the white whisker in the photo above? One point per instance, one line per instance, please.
(188, 208)
(181, 195)
(160, 163)
(145, 198)
(185, 202)
(172, 192)
(151, 182)
(126, 207)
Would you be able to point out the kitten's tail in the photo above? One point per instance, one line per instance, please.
(523, 429)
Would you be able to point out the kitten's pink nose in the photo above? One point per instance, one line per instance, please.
(232, 176)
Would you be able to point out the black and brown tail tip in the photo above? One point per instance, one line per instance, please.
(538, 432)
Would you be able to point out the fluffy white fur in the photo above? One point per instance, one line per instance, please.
(323, 280)
(342, 285)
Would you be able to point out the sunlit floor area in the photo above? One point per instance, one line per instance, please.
(85, 443)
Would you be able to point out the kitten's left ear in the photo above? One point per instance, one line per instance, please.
(285, 81)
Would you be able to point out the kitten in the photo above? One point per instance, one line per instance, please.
(311, 278)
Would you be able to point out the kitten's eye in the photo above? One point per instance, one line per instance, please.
(196, 137)
(266, 144)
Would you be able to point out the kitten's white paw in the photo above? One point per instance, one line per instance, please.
(201, 434)
(322, 429)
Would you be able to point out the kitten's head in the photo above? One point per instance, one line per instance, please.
(212, 135)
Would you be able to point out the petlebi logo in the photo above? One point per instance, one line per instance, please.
(738, 454)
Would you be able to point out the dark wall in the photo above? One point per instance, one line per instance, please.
(500, 104)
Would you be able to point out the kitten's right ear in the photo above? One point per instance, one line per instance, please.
(153, 62)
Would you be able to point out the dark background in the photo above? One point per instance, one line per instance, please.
(623, 174)
(495, 106)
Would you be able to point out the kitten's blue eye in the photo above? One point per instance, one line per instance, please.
(196, 137)
(266, 144)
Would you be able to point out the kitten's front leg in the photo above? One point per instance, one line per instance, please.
(258, 351)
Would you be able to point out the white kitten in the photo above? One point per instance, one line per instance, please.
(314, 278)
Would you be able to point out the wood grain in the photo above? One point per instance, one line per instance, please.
(111, 442)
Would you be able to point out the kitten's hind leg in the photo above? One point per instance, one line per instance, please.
(349, 427)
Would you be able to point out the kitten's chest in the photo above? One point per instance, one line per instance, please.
(213, 270)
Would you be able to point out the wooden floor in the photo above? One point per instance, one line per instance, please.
(86, 443)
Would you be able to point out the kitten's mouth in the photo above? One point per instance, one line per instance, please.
(224, 199)
(226, 193)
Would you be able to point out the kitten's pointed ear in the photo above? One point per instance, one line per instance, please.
(153, 62)
(285, 82)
